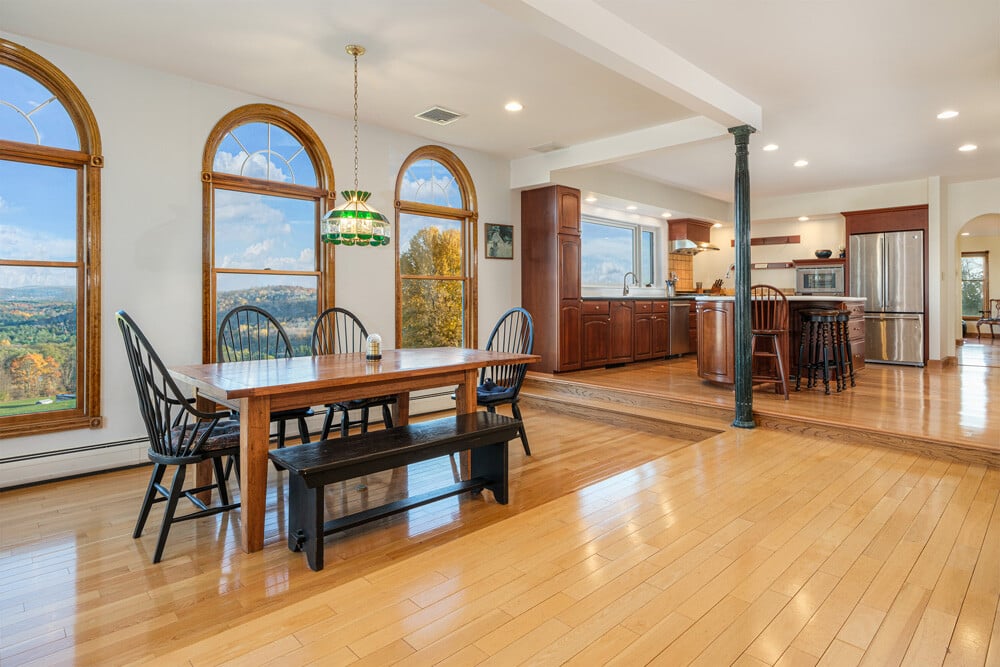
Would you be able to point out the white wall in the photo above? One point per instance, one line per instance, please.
(153, 127)
(814, 235)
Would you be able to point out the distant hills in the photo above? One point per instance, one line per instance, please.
(37, 293)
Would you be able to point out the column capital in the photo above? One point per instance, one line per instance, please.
(742, 134)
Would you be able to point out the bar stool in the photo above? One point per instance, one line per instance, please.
(843, 333)
(769, 322)
(817, 348)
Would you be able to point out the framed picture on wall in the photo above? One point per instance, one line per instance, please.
(499, 241)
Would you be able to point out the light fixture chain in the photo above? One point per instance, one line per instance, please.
(355, 121)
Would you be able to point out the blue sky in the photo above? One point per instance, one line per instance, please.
(37, 204)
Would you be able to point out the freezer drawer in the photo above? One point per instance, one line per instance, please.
(894, 339)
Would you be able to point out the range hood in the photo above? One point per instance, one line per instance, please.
(688, 247)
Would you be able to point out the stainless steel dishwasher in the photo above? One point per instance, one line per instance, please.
(680, 341)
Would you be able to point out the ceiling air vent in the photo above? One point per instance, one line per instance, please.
(547, 148)
(439, 115)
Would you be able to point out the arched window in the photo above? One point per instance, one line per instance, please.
(50, 249)
(267, 180)
(436, 245)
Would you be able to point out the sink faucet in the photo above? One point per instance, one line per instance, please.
(635, 281)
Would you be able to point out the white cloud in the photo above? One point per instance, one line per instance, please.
(256, 165)
(251, 233)
(3, 204)
(23, 243)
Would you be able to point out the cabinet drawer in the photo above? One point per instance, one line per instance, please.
(596, 308)
(643, 307)
(856, 310)
(856, 330)
(661, 306)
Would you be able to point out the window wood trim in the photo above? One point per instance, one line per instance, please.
(324, 193)
(89, 160)
(985, 254)
(470, 217)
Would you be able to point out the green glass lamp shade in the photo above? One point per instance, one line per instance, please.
(354, 222)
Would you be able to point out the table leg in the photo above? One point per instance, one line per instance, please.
(255, 421)
(402, 416)
(465, 402)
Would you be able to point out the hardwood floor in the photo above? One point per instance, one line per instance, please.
(626, 542)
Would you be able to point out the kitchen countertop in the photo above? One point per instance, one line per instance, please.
(803, 297)
(640, 297)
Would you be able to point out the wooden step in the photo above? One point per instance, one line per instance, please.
(700, 415)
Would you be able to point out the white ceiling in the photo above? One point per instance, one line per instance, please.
(853, 86)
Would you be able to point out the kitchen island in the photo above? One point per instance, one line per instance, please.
(715, 323)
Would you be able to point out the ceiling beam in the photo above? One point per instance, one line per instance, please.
(592, 31)
(537, 169)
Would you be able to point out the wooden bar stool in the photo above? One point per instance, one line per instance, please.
(846, 367)
(769, 324)
(817, 347)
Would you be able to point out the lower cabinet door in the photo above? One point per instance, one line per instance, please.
(642, 337)
(596, 337)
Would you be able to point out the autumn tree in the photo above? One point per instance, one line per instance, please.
(32, 374)
(431, 272)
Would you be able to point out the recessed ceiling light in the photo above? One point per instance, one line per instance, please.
(631, 207)
(716, 225)
(770, 147)
(948, 113)
(513, 106)
(801, 163)
(803, 218)
(666, 214)
(967, 147)
(964, 234)
(591, 199)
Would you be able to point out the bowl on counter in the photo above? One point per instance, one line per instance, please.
(824, 253)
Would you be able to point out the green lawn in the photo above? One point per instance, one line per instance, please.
(25, 406)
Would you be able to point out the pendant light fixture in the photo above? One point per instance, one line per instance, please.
(354, 222)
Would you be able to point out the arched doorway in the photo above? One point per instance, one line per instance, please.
(978, 261)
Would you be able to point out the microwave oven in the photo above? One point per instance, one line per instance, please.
(827, 280)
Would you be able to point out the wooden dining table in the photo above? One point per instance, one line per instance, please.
(257, 388)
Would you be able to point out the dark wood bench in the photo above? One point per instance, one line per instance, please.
(311, 466)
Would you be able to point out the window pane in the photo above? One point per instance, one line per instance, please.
(606, 253)
(254, 231)
(37, 212)
(264, 151)
(430, 182)
(972, 298)
(31, 114)
(291, 299)
(38, 351)
(646, 273)
(431, 313)
(973, 268)
(429, 246)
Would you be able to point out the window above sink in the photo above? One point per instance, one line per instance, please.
(610, 249)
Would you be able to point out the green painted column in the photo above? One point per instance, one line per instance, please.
(741, 320)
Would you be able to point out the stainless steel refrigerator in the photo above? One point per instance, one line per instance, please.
(888, 270)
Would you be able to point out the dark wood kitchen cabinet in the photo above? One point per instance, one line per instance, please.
(716, 357)
(642, 331)
(596, 333)
(660, 330)
(622, 321)
(607, 332)
(550, 275)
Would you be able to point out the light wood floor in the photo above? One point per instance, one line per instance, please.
(622, 545)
